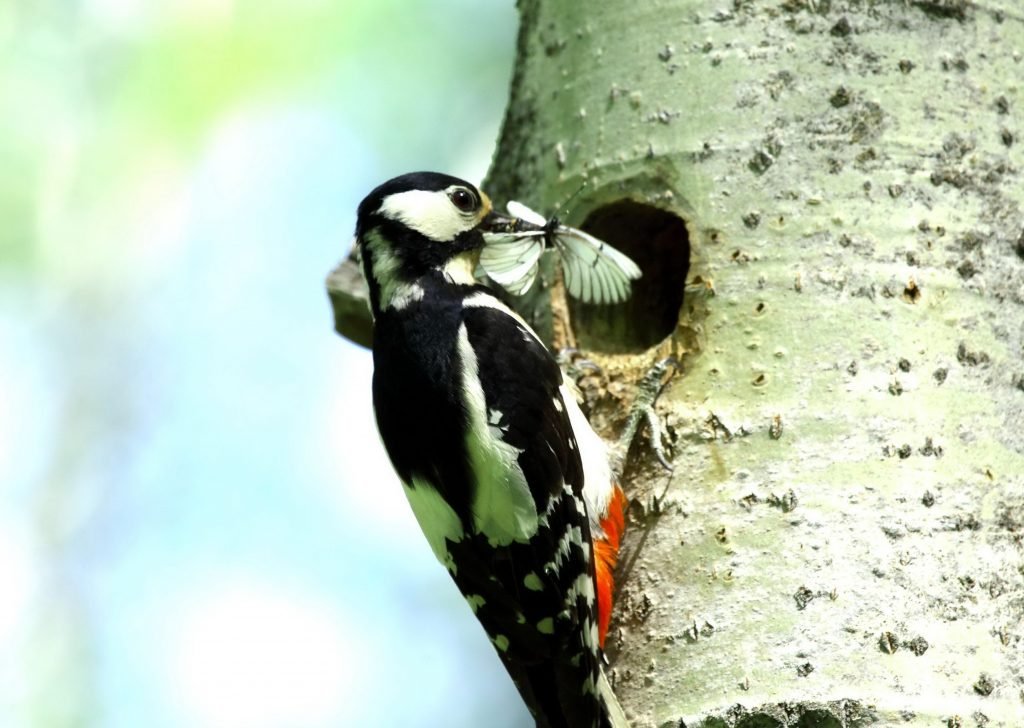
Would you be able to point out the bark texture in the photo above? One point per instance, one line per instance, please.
(838, 184)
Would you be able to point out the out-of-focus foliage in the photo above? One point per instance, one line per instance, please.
(97, 92)
(197, 523)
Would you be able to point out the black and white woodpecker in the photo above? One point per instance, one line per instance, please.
(510, 484)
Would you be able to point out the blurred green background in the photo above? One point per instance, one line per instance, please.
(198, 526)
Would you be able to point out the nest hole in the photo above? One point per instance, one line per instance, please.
(658, 242)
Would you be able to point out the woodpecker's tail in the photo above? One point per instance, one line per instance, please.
(614, 716)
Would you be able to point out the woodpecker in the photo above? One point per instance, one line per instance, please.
(510, 484)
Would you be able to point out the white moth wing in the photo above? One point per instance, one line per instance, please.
(524, 284)
(511, 259)
(595, 272)
(623, 261)
(518, 209)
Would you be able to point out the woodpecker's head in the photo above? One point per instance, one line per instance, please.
(419, 224)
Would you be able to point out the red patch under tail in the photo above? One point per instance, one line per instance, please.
(606, 550)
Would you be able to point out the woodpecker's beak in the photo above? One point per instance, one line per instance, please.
(495, 222)
(498, 222)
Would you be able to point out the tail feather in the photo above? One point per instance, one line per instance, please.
(614, 716)
(555, 702)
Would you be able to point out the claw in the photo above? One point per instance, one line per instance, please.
(571, 360)
(657, 435)
(653, 377)
(643, 407)
(567, 354)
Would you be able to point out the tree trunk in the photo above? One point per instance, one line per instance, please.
(838, 185)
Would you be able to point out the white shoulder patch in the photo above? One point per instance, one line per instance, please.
(503, 507)
(437, 519)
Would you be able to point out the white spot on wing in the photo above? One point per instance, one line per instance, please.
(494, 424)
(572, 535)
(532, 582)
(475, 601)
(503, 507)
(500, 641)
(546, 626)
(583, 586)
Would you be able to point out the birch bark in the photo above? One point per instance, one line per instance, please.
(839, 185)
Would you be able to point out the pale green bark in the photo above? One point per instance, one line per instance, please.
(849, 173)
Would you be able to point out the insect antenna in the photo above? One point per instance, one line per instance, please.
(553, 223)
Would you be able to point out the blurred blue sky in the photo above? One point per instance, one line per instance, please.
(198, 525)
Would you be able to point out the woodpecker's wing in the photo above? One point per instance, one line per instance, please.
(594, 271)
(512, 259)
(537, 595)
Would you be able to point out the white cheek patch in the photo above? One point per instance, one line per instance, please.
(429, 213)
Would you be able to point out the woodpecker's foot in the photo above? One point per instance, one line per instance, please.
(575, 365)
(643, 411)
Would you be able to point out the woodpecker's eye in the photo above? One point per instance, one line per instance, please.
(463, 199)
